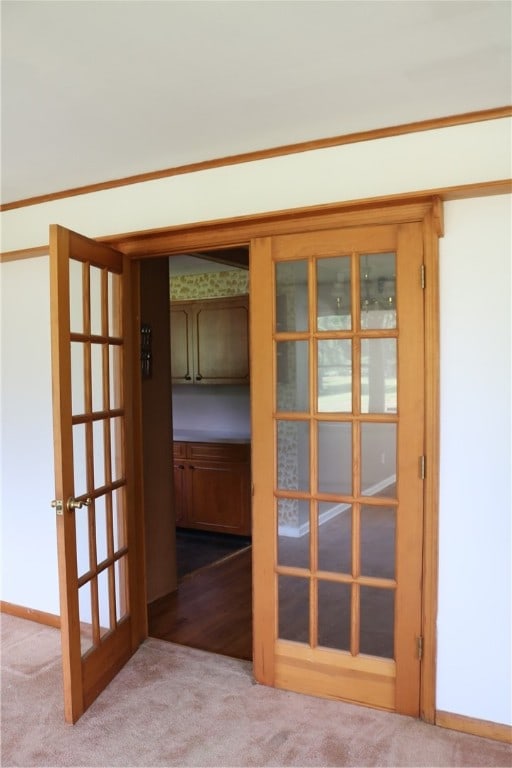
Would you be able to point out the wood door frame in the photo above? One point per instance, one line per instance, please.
(246, 231)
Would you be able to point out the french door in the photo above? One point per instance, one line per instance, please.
(337, 388)
(102, 619)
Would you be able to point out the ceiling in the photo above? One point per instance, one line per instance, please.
(219, 260)
(99, 90)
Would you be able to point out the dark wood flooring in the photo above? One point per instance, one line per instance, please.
(197, 549)
(211, 609)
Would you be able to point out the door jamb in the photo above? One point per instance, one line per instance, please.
(212, 235)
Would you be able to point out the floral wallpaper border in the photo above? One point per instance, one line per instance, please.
(209, 285)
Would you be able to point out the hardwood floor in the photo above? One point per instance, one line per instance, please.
(197, 549)
(211, 610)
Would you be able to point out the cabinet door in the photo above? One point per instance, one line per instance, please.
(219, 497)
(180, 493)
(181, 344)
(221, 353)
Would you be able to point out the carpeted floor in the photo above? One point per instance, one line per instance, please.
(177, 706)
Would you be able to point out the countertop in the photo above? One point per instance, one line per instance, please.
(204, 436)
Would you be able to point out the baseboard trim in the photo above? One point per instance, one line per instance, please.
(474, 726)
(41, 617)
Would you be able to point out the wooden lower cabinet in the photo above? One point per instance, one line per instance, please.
(212, 487)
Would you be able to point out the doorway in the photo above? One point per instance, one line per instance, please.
(301, 663)
(208, 603)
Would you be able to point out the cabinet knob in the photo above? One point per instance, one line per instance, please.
(198, 377)
(188, 377)
(181, 466)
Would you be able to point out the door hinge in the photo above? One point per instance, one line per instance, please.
(423, 470)
(423, 276)
(252, 489)
(419, 645)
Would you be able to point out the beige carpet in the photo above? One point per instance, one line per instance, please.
(176, 706)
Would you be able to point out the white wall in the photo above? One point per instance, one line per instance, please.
(462, 154)
(29, 552)
(474, 674)
(211, 410)
(475, 609)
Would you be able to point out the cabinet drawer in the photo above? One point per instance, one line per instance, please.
(219, 451)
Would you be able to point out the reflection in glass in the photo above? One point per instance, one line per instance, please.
(77, 378)
(293, 608)
(121, 578)
(292, 375)
(118, 519)
(377, 622)
(114, 315)
(76, 311)
(293, 455)
(334, 615)
(97, 376)
(292, 296)
(104, 602)
(79, 464)
(334, 294)
(293, 532)
(334, 375)
(378, 290)
(95, 293)
(82, 540)
(378, 376)
(335, 457)
(115, 374)
(116, 448)
(98, 452)
(378, 526)
(85, 617)
(334, 537)
(101, 528)
(378, 458)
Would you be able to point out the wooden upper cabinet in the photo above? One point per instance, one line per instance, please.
(210, 341)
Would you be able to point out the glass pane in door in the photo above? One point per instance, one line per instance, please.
(293, 453)
(292, 313)
(334, 615)
(378, 376)
(378, 458)
(378, 534)
(334, 297)
(292, 366)
(335, 457)
(334, 537)
(377, 290)
(334, 375)
(377, 622)
(293, 608)
(293, 532)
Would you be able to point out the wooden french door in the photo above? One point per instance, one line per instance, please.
(338, 440)
(101, 618)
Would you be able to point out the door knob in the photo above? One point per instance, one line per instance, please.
(70, 505)
(78, 503)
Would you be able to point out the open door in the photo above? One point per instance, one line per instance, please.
(101, 594)
(337, 330)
